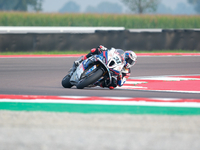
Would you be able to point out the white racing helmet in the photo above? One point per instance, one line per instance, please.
(130, 58)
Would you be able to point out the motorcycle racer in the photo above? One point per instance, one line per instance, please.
(130, 59)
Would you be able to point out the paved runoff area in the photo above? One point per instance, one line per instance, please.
(22, 130)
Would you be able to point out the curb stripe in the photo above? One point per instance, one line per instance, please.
(159, 106)
(100, 102)
(165, 83)
(92, 98)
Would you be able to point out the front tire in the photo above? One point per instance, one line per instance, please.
(90, 80)
(65, 82)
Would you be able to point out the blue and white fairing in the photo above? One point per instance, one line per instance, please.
(81, 68)
(112, 61)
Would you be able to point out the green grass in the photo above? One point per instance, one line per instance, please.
(43, 52)
(85, 52)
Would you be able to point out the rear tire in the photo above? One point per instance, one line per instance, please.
(90, 80)
(65, 82)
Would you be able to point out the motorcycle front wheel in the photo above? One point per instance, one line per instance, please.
(90, 80)
(65, 82)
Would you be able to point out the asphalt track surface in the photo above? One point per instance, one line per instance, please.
(22, 130)
(42, 76)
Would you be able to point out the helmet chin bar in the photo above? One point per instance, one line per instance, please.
(130, 58)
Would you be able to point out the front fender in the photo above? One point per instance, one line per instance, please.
(95, 59)
(105, 69)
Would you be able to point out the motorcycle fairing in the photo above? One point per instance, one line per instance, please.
(115, 61)
(80, 69)
(77, 74)
(101, 59)
(111, 62)
(91, 69)
(88, 61)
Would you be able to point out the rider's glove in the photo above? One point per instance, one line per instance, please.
(127, 75)
(101, 48)
(79, 60)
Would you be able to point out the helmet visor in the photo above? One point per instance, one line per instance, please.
(130, 61)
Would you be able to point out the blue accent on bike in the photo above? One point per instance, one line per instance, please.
(105, 54)
(90, 70)
(86, 63)
(100, 56)
(119, 83)
(115, 72)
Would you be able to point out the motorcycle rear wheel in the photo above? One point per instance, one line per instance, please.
(90, 80)
(65, 82)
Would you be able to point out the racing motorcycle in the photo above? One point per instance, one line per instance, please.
(96, 69)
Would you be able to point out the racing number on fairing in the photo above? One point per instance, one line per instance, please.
(116, 58)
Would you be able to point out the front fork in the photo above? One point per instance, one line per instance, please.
(71, 71)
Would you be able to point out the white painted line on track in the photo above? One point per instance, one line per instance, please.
(99, 102)
(172, 91)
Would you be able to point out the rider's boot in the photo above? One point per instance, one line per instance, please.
(103, 83)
